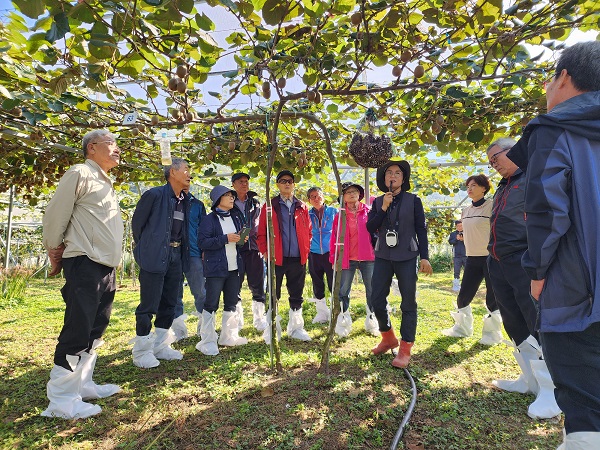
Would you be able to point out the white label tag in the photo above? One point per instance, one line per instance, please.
(130, 118)
(178, 215)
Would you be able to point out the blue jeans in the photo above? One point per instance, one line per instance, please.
(366, 270)
(196, 281)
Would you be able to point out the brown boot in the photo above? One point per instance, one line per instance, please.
(403, 357)
(388, 342)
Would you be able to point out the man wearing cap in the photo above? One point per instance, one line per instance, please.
(293, 232)
(220, 241)
(249, 207)
(459, 253)
(160, 232)
(319, 267)
(398, 219)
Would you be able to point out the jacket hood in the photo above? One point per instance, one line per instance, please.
(579, 115)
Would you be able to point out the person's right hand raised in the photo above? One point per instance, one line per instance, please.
(388, 197)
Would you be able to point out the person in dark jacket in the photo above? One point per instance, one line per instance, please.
(194, 275)
(398, 219)
(218, 237)
(459, 254)
(159, 227)
(507, 243)
(560, 154)
(254, 264)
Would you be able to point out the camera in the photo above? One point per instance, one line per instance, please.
(391, 238)
(460, 233)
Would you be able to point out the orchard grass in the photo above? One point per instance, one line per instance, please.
(236, 401)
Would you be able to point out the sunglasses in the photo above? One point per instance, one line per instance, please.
(286, 181)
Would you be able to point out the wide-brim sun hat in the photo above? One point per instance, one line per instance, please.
(348, 184)
(218, 192)
(404, 167)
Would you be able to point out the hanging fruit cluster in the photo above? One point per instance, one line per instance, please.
(369, 150)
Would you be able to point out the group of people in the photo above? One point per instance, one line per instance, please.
(542, 264)
(535, 244)
(176, 238)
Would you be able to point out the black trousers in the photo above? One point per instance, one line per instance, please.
(254, 269)
(406, 274)
(158, 295)
(319, 267)
(295, 276)
(475, 272)
(229, 286)
(573, 360)
(511, 290)
(88, 293)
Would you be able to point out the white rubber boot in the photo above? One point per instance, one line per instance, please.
(295, 327)
(267, 331)
(456, 284)
(89, 389)
(199, 324)
(581, 440)
(323, 313)
(240, 312)
(343, 326)
(524, 353)
(544, 406)
(179, 327)
(64, 393)
(230, 331)
(258, 316)
(208, 335)
(371, 324)
(162, 345)
(143, 351)
(491, 333)
(463, 326)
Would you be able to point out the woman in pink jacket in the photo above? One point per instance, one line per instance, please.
(358, 254)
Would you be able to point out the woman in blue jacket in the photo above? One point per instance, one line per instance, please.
(218, 236)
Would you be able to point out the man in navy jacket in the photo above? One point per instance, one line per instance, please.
(159, 226)
(560, 153)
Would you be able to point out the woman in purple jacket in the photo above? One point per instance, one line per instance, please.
(358, 254)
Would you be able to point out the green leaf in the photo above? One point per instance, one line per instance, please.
(154, 2)
(34, 118)
(6, 93)
(60, 27)
(31, 8)
(274, 11)
(204, 22)
(475, 135)
(186, 6)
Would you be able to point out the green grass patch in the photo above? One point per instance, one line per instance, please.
(235, 400)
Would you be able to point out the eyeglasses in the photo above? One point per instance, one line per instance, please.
(546, 82)
(314, 196)
(396, 173)
(494, 158)
(110, 143)
(351, 191)
(286, 181)
(229, 194)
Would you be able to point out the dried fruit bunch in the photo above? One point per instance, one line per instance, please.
(369, 150)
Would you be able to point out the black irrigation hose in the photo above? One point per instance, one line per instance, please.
(406, 417)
